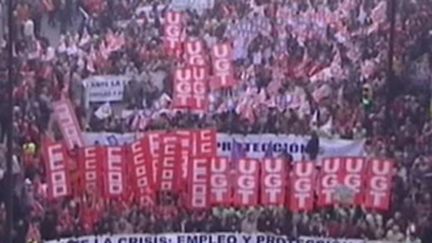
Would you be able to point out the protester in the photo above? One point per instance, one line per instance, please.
(301, 68)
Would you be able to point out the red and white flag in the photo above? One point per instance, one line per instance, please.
(378, 184)
(142, 171)
(173, 33)
(190, 89)
(68, 123)
(169, 165)
(56, 160)
(223, 73)
(115, 170)
(199, 183)
(220, 182)
(90, 165)
(246, 183)
(302, 183)
(273, 181)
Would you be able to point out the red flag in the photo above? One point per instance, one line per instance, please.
(173, 32)
(222, 67)
(273, 181)
(220, 183)
(302, 186)
(57, 172)
(246, 183)
(169, 165)
(114, 168)
(199, 180)
(142, 171)
(90, 165)
(378, 184)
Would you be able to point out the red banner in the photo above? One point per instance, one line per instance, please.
(354, 176)
(155, 151)
(57, 172)
(169, 166)
(142, 171)
(199, 179)
(246, 183)
(340, 181)
(114, 167)
(302, 186)
(195, 55)
(378, 184)
(329, 179)
(220, 183)
(68, 124)
(206, 143)
(187, 145)
(190, 89)
(173, 33)
(90, 165)
(222, 67)
(273, 181)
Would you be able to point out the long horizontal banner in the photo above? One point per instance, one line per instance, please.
(200, 238)
(255, 145)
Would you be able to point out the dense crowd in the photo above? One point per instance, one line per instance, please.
(306, 70)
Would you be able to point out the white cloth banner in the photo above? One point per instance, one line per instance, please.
(199, 5)
(255, 145)
(105, 88)
(200, 238)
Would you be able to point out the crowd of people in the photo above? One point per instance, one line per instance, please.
(305, 69)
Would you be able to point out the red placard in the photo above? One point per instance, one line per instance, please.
(114, 168)
(57, 172)
(220, 183)
(190, 89)
(90, 161)
(246, 183)
(302, 186)
(199, 179)
(142, 171)
(195, 56)
(222, 67)
(169, 165)
(173, 33)
(378, 184)
(273, 181)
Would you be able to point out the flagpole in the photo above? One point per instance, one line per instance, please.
(9, 142)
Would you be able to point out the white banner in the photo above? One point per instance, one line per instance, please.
(200, 238)
(199, 5)
(68, 123)
(255, 145)
(105, 88)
